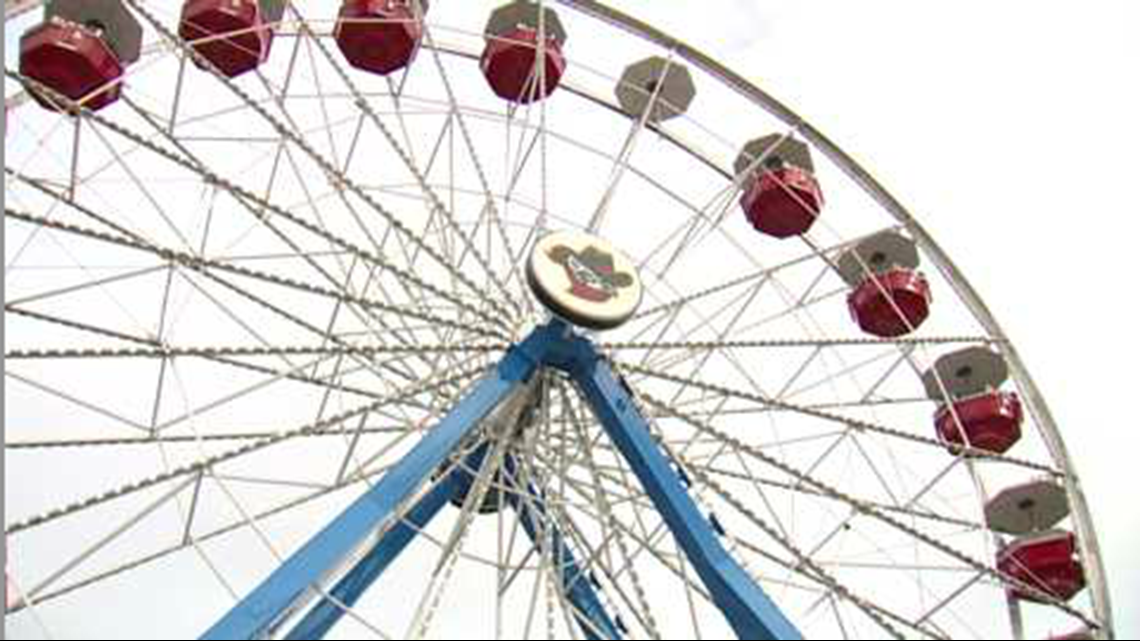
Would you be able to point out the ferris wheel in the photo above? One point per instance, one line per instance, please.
(490, 320)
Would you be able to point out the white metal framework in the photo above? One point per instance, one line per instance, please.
(232, 305)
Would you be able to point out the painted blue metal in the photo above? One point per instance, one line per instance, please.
(466, 474)
(522, 496)
(590, 614)
(747, 608)
(325, 614)
(593, 620)
(260, 612)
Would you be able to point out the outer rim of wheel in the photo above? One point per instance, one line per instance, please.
(1090, 548)
(1036, 402)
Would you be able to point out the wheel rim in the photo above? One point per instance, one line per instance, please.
(439, 301)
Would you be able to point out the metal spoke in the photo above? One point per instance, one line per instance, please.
(621, 160)
(867, 510)
(436, 203)
(835, 418)
(212, 461)
(297, 271)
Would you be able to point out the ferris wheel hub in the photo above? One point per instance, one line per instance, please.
(584, 279)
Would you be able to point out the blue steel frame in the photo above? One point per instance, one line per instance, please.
(748, 610)
(588, 610)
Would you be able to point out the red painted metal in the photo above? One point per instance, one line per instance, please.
(231, 34)
(892, 303)
(782, 202)
(380, 36)
(1046, 562)
(509, 63)
(73, 60)
(990, 421)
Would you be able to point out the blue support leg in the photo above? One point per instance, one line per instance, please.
(747, 608)
(264, 609)
(588, 610)
(325, 614)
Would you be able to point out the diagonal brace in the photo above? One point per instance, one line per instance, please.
(292, 584)
(750, 612)
(324, 615)
(587, 608)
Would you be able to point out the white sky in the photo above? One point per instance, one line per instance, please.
(1006, 128)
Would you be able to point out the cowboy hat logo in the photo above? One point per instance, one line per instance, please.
(591, 273)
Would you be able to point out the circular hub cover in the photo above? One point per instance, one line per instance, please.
(583, 279)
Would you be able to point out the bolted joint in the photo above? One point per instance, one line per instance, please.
(565, 350)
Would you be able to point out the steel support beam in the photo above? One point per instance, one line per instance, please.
(744, 604)
(587, 608)
(292, 584)
(325, 614)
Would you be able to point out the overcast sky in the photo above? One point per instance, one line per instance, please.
(1008, 128)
